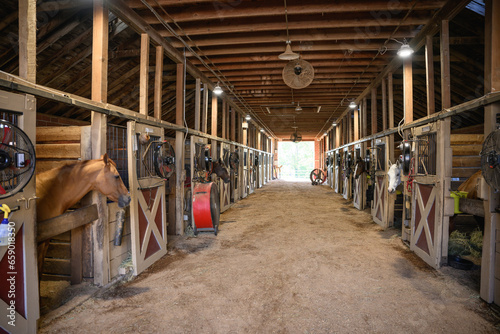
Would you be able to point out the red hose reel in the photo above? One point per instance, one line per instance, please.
(206, 210)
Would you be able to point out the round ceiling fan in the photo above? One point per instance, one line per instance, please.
(295, 136)
(298, 74)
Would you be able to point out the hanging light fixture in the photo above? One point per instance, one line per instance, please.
(262, 130)
(334, 124)
(288, 54)
(247, 117)
(352, 105)
(217, 90)
(405, 50)
(298, 108)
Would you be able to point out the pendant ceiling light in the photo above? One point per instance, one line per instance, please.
(298, 108)
(217, 90)
(288, 54)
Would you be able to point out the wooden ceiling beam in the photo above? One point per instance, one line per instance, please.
(268, 25)
(224, 11)
(298, 47)
(304, 35)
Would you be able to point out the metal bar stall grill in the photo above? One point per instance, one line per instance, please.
(145, 167)
(427, 154)
(116, 142)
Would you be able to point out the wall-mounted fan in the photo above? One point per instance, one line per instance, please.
(295, 136)
(405, 148)
(490, 159)
(17, 159)
(298, 74)
(163, 159)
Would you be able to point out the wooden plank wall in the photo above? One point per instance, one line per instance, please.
(466, 159)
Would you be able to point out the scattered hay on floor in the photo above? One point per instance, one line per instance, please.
(462, 244)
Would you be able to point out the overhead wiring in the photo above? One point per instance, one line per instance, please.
(203, 62)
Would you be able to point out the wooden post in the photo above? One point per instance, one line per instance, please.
(349, 126)
(445, 65)
(224, 119)
(356, 124)
(27, 40)
(490, 290)
(364, 118)
(158, 82)
(390, 97)
(214, 115)
(384, 104)
(429, 73)
(98, 129)
(228, 126)
(245, 133)
(408, 90)
(233, 124)
(374, 110)
(204, 116)
(197, 104)
(179, 150)
(144, 75)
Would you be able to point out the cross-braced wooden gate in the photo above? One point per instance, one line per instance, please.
(383, 203)
(338, 172)
(18, 266)
(148, 220)
(429, 224)
(245, 175)
(358, 197)
(225, 188)
(347, 174)
(252, 171)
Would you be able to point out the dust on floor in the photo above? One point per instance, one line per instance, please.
(291, 258)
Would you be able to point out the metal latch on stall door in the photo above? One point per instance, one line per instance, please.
(27, 201)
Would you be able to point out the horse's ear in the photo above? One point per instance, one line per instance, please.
(104, 158)
(389, 163)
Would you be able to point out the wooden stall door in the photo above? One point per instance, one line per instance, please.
(260, 174)
(359, 183)
(245, 175)
(252, 180)
(24, 268)
(338, 172)
(264, 167)
(225, 188)
(148, 221)
(383, 203)
(235, 177)
(429, 225)
(346, 179)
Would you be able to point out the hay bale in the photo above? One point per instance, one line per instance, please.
(461, 244)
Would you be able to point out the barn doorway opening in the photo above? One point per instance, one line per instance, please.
(297, 160)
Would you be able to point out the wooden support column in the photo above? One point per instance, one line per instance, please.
(374, 109)
(356, 124)
(364, 118)
(158, 82)
(214, 116)
(408, 90)
(429, 75)
(179, 151)
(27, 40)
(349, 127)
(228, 125)
(197, 104)
(445, 65)
(224, 119)
(384, 104)
(233, 124)
(204, 115)
(98, 129)
(244, 129)
(337, 135)
(490, 284)
(390, 98)
(144, 75)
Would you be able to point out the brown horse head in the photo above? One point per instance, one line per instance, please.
(110, 184)
(221, 171)
(360, 168)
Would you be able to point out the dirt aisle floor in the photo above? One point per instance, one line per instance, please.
(291, 258)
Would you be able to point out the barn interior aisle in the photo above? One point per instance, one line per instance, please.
(302, 262)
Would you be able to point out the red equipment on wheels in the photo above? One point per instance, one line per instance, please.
(206, 211)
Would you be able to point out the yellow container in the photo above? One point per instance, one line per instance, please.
(456, 196)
